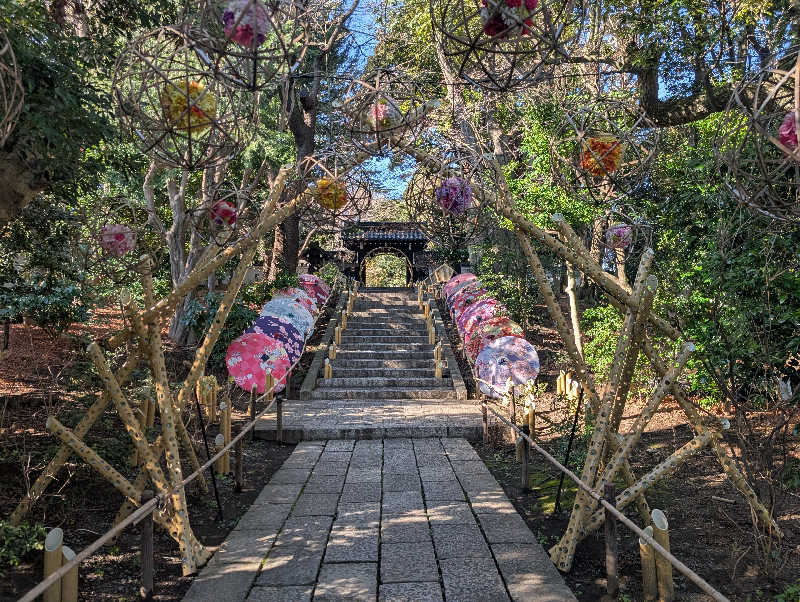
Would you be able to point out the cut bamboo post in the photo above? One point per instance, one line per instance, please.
(427, 309)
(219, 465)
(344, 321)
(560, 386)
(52, 562)
(419, 295)
(666, 588)
(337, 335)
(437, 370)
(69, 582)
(239, 475)
(225, 422)
(612, 579)
(328, 369)
(649, 580)
(269, 383)
(331, 352)
(146, 550)
(525, 478)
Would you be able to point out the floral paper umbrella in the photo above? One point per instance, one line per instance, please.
(330, 193)
(117, 239)
(298, 295)
(456, 282)
(246, 22)
(478, 312)
(466, 297)
(454, 195)
(383, 114)
(296, 313)
(490, 330)
(281, 330)
(250, 356)
(619, 236)
(503, 359)
(316, 287)
(601, 156)
(507, 18)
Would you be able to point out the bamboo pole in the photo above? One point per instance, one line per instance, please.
(649, 581)
(328, 369)
(666, 587)
(437, 368)
(141, 481)
(269, 218)
(226, 432)
(92, 458)
(651, 478)
(642, 420)
(62, 455)
(69, 582)
(332, 351)
(52, 562)
(219, 443)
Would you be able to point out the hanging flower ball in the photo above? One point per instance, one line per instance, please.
(188, 106)
(787, 133)
(507, 18)
(117, 239)
(223, 213)
(246, 22)
(330, 193)
(619, 236)
(454, 195)
(601, 155)
(383, 114)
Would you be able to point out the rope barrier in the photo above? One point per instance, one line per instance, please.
(150, 506)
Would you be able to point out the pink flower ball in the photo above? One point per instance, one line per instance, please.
(619, 236)
(787, 133)
(223, 213)
(117, 239)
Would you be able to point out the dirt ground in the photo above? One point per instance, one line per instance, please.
(711, 530)
(42, 376)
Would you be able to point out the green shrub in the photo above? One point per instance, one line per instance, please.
(17, 542)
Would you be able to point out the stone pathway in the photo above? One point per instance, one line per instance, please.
(399, 519)
(383, 381)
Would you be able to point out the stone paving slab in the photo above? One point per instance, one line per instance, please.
(383, 536)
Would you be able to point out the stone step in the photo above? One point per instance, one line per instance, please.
(381, 324)
(388, 315)
(388, 393)
(399, 330)
(368, 342)
(342, 382)
(381, 372)
(378, 347)
(403, 354)
(370, 362)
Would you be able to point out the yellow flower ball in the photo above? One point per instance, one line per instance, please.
(188, 106)
(330, 193)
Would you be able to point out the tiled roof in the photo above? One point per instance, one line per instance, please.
(383, 231)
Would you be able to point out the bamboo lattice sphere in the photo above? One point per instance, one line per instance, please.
(758, 140)
(173, 107)
(383, 107)
(11, 89)
(253, 44)
(500, 45)
(604, 150)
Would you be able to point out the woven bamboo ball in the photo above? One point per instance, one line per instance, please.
(173, 107)
(757, 142)
(604, 150)
(385, 107)
(11, 89)
(252, 44)
(500, 45)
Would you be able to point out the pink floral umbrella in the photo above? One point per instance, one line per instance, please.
(455, 282)
(298, 295)
(281, 330)
(503, 359)
(490, 330)
(465, 297)
(246, 22)
(454, 195)
(476, 313)
(619, 236)
(250, 356)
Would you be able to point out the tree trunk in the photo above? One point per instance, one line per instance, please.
(18, 189)
(277, 260)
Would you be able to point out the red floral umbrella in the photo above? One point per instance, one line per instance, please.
(504, 359)
(489, 330)
(316, 287)
(476, 313)
(455, 282)
(465, 297)
(250, 356)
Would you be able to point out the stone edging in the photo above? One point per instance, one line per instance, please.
(452, 364)
(310, 381)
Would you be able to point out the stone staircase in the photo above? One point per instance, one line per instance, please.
(384, 382)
